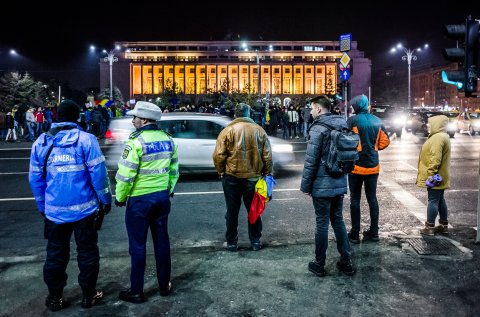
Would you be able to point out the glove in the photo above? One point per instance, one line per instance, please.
(120, 203)
(433, 181)
(105, 208)
(171, 195)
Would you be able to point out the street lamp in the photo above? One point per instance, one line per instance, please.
(110, 58)
(245, 48)
(409, 57)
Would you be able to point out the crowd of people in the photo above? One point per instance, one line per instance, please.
(67, 163)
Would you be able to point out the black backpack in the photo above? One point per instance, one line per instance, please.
(342, 147)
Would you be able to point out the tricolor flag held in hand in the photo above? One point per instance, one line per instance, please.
(263, 193)
(106, 103)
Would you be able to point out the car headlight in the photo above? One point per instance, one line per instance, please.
(282, 148)
(399, 121)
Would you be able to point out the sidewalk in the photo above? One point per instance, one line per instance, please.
(392, 280)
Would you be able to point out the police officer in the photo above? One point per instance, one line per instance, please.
(147, 175)
(69, 181)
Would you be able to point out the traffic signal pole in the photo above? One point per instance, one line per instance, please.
(477, 241)
(345, 94)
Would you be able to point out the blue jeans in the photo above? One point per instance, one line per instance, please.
(355, 182)
(31, 133)
(58, 255)
(234, 190)
(436, 205)
(143, 212)
(330, 209)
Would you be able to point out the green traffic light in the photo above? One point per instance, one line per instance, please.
(453, 78)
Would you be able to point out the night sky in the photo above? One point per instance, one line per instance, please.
(57, 37)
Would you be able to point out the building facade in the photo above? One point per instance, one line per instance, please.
(278, 68)
(428, 89)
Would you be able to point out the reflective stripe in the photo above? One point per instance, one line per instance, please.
(35, 168)
(156, 156)
(153, 172)
(128, 164)
(67, 168)
(96, 161)
(79, 207)
(106, 190)
(124, 178)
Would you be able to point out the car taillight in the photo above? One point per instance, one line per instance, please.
(108, 134)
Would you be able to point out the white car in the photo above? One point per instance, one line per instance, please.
(195, 134)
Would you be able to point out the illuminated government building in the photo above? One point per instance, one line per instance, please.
(196, 68)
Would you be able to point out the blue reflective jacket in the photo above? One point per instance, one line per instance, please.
(76, 180)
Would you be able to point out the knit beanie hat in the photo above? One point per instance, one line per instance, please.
(68, 111)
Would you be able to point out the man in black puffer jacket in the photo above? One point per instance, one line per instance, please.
(326, 191)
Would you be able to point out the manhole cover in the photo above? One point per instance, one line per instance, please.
(433, 246)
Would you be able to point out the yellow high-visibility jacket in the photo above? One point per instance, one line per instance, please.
(149, 163)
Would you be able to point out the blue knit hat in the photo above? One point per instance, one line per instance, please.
(242, 110)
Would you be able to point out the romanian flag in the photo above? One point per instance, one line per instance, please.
(263, 193)
(106, 103)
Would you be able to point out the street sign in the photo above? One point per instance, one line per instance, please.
(345, 42)
(349, 67)
(345, 74)
(345, 59)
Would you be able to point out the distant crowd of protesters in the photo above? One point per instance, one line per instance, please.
(22, 123)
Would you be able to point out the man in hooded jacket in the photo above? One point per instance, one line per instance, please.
(435, 159)
(373, 138)
(327, 192)
(69, 181)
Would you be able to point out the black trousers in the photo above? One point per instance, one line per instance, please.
(58, 255)
(234, 190)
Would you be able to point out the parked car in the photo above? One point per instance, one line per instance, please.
(195, 134)
(393, 119)
(469, 122)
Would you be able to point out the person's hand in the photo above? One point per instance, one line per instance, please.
(120, 203)
(171, 194)
(433, 181)
(105, 208)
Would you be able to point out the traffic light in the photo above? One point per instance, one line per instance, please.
(465, 54)
(340, 88)
(343, 90)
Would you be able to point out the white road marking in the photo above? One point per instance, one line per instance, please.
(413, 205)
(18, 259)
(181, 193)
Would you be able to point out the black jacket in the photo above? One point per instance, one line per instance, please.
(315, 179)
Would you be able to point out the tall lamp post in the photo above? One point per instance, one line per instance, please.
(245, 48)
(409, 57)
(110, 58)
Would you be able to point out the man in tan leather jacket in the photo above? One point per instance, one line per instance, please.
(242, 155)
